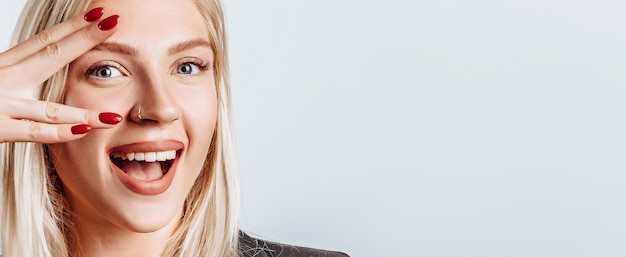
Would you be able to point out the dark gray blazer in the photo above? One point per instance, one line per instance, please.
(253, 247)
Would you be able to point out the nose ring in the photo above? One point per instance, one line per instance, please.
(139, 113)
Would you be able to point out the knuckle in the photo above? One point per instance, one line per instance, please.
(53, 50)
(52, 111)
(44, 37)
(61, 134)
(34, 130)
(89, 35)
(77, 23)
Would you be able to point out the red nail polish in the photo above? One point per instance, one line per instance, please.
(110, 118)
(94, 14)
(109, 23)
(81, 129)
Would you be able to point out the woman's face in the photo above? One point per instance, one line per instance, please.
(157, 72)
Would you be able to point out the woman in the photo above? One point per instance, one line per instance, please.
(116, 133)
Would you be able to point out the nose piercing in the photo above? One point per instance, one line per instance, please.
(139, 113)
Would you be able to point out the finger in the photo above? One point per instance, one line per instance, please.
(30, 131)
(54, 56)
(49, 36)
(55, 113)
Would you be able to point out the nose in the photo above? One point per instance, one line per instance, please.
(156, 103)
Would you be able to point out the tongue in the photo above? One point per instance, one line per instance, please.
(146, 171)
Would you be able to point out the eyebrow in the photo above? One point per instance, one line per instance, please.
(177, 48)
(116, 48)
(132, 51)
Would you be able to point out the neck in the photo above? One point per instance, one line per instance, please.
(95, 240)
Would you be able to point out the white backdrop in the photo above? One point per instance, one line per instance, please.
(430, 128)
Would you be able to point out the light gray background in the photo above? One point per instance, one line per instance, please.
(430, 128)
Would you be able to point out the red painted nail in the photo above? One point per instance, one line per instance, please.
(109, 23)
(94, 14)
(81, 129)
(110, 118)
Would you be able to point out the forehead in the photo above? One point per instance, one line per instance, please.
(151, 23)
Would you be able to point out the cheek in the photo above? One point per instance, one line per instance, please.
(75, 94)
(83, 96)
(200, 109)
(200, 117)
(77, 164)
(79, 99)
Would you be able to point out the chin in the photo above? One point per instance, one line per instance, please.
(151, 218)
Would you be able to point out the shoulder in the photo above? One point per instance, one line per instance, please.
(253, 247)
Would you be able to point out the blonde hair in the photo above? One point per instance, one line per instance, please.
(34, 218)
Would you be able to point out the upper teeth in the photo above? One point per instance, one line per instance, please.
(146, 156)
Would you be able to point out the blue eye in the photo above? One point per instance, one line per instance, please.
(106, 71)
(188, 68)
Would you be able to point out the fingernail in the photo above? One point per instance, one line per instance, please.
(81, 129)
(94, 14)
(110, 118)
(109, 23)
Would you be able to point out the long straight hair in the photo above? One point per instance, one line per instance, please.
(35, 219)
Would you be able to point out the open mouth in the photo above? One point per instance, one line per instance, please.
(146, 166)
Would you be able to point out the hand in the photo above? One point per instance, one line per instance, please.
(25, 67)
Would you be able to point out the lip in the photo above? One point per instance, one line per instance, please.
(149, 146)
(153, 187)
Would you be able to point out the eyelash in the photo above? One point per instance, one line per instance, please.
(202, 65)
(89, 72)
